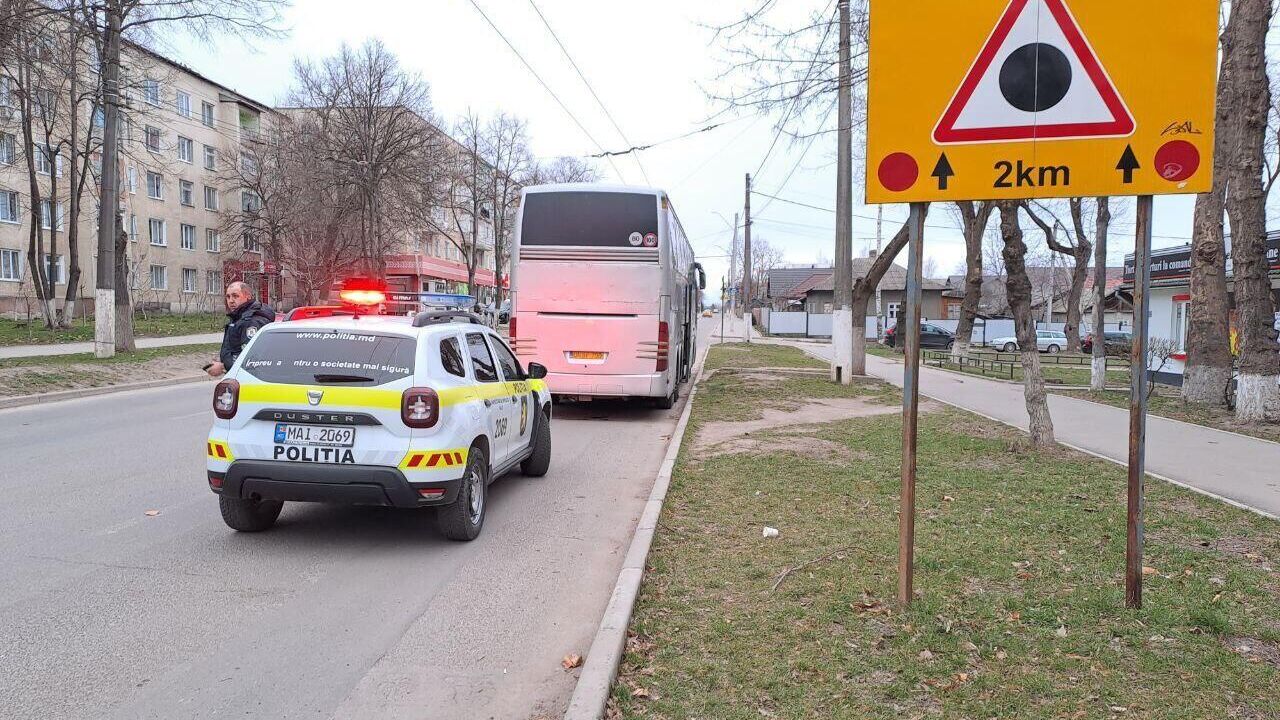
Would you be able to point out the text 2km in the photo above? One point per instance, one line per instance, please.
(1021, 175)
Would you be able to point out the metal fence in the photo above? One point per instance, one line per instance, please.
(1113, 362)
(993, 368)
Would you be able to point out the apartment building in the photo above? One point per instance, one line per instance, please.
(179, 130)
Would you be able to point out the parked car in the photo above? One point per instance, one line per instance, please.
(1050, 341)
(931, 336)
(1117, 343)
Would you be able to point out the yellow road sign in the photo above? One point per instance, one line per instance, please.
(1006, 99)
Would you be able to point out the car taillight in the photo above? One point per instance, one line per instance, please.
(226, 399)
(420, 407)
(664, 344)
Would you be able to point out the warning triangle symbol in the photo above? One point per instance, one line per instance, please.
(1036, 78)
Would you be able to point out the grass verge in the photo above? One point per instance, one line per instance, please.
(49, 373)
(1169, 403)
(758, 355)
(1019, 562)
(20, 332)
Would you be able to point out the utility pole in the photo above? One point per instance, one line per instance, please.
(733, 266)
(879, 225)
(842, 319)
(104, 300)
(746, 266)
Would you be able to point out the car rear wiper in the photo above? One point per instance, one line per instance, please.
(334, 378)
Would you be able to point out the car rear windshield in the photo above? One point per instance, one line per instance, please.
(592, 219)
(330, 357)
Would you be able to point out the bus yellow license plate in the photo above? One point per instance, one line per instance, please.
(580, 355)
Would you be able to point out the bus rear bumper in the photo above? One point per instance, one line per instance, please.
(581, 385)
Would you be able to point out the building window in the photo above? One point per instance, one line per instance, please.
(55, 268)
(248, 202)
(133, 227)
(251, 243)
(156, 229)
(42, 155)
(151, 91)
(186, 149)
(210, 157)
(206, 113)
(210, 198)
(213, 282)
(188, 236)
(152, 138)
(1181, 321)
(46, 217)
(159, 278)
(8, 206)
(891, 311)
(186, 193)
(10, 265)
(212, 240)
(183, 104)
(248, 163)
(8, 148)
(133, 180)
(190, 280)
(155, 185)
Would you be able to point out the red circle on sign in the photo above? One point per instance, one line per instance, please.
(898, 172)
(1177, 160)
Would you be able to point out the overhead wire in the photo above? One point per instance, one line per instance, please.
(582, 76)
(545, 86)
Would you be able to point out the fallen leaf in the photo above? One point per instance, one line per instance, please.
(1147, 570)
(1061, 631)
(970, 647)
(926, 655)
(948, 498)
(151, 513)
(571, 661)
(1000, 654)
(639, 692)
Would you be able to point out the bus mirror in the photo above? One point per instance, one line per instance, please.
(702, 277)
(537, 371)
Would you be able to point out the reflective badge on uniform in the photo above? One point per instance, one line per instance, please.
(251, 332)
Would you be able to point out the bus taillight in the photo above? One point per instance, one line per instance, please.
(664, 343)
(511, 327)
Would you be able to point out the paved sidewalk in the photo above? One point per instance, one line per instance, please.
(17, 351)
(1236, 467)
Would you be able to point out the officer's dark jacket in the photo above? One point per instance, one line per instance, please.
(241, 326)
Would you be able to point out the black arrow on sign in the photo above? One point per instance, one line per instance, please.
(1128, 163)
(943, 171)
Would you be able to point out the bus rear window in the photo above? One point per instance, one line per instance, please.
(588, 219)
(328, 357)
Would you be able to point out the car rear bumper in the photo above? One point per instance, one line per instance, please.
(316, 482)
(581, 384)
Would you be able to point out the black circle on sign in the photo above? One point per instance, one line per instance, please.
(1035, 77)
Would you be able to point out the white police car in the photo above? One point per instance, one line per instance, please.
(375, 410)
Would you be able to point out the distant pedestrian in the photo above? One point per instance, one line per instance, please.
(246, 316)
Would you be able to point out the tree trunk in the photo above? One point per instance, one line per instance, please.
(123, 299)
(1018, 290)
(864, 289)
(1258, 394)
(1207, 375)
(975, 217)
(1098, 375)
(1078, 275)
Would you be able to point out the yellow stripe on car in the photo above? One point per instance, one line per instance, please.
(355, 397)
(434, 459)
(219, 450)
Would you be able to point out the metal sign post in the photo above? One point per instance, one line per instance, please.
(910, 406)
(1138, 406)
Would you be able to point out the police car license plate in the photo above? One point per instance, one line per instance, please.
(315, 435)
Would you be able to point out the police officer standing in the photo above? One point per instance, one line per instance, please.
(246, 316)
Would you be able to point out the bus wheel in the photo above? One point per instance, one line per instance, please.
(669, 401)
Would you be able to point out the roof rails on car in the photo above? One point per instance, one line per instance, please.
(436, 317)
(308, 312)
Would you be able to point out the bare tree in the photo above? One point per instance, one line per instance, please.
(1018, 290)
(1079, 250)
(462, 205)
(1208, 369)
(506, 150)
(864, 288)
(765, 256)
(1258, 391)
(974, 218)
(564, 170)
(1102, 224)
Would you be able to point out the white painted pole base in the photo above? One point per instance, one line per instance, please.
(746, 326)
(1098, 374)
(1258, 398)
(842, 346)
(104, 323)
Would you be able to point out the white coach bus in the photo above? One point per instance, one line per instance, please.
(604, 291)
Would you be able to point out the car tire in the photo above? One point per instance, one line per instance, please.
(249, 515)
(1054, 349)
(1009, 347)
(949, 343)
(537, 463)
(463, 518)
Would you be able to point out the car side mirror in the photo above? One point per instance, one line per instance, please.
(536, 371)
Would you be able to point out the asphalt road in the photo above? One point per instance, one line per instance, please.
(107, 612)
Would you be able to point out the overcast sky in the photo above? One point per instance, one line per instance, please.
(649, 62)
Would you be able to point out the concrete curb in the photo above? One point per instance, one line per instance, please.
(591, 694)
(60, 395)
